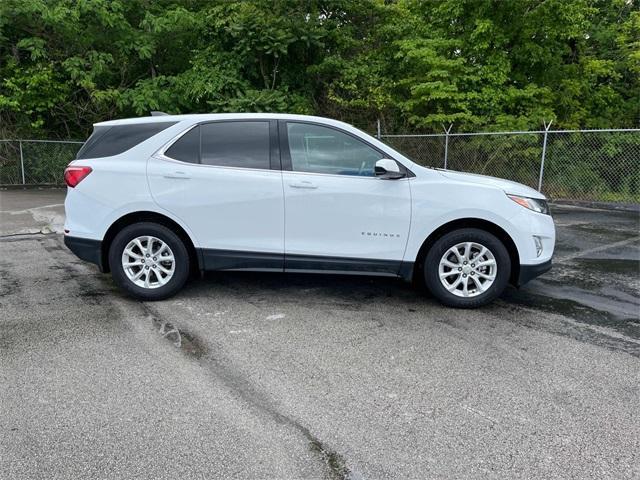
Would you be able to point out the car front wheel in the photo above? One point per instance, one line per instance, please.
(149, 261)
(467, 268)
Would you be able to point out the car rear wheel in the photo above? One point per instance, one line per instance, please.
(149, 261)
(467, 268)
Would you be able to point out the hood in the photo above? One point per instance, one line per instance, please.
(507, 185)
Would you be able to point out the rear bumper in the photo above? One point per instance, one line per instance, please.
(529, 272)
(86, 249)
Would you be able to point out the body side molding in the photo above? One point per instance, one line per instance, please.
(214, 259)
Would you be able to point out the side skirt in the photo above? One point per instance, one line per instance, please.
(345, 265)
(234, 260)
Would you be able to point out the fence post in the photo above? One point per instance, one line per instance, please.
(446, 144)
(379, 132)
(544, 152)
(21, 162)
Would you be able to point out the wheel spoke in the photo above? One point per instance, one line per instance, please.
(150, 245)
(455, 284)
(448, 274)
(139, 245)
(162, 280)
(157, 252)
(449, 264)
(484, 275)
(132, 254)
(467, 250)
(478, 284)
(164, 270)
(456, 252)
(485, 263)
(465, 287)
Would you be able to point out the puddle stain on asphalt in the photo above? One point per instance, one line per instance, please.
(180, 339)
(583, 323)
(10, 284)
(610, 265)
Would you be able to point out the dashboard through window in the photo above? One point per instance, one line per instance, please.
(318, 149)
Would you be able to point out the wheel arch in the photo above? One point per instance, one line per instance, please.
(195, 259)
(480, 224)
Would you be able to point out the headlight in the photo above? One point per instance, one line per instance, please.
(534, 204)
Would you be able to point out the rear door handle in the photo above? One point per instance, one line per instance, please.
(178, 175)
(303, 184)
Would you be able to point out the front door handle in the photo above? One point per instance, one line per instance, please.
(178, 175)
(303, 184)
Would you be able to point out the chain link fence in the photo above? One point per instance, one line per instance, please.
(590, 165)
(35, 162)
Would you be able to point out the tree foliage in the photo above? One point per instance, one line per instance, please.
(65, 64)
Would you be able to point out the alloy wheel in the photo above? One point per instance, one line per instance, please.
(148, 262)
(467, 269)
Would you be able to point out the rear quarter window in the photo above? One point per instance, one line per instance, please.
(106, 141)
(187, 147)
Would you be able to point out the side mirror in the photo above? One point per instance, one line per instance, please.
(388, 169)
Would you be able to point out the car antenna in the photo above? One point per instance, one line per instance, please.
(155, 113)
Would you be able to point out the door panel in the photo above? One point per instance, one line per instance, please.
(345, 216)
(225, 208)
(338, 215)
(236, 214)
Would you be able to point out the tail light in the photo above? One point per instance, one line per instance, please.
(74, 175)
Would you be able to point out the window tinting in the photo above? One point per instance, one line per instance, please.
(107, 141)
(187, 147)
(235, 144)
(318, 149)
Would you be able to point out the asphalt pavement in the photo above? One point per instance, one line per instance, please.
(247, 375)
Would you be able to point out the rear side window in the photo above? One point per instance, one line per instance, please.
(106, 141)
(235, 144)
(225, 144)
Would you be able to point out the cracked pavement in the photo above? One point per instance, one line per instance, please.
(248, 375)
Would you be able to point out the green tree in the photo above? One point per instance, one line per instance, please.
(65, 64)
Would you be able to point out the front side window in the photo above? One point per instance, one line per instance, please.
(235, 144)
(318, 149)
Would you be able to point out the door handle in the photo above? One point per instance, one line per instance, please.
(303, 184)
(178, 175)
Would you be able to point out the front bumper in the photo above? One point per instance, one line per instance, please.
(86, 249)
(529, 272)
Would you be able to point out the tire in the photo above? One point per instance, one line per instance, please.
(485, 280)
(163, 277)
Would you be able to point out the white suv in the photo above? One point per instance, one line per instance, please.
(153, 199)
